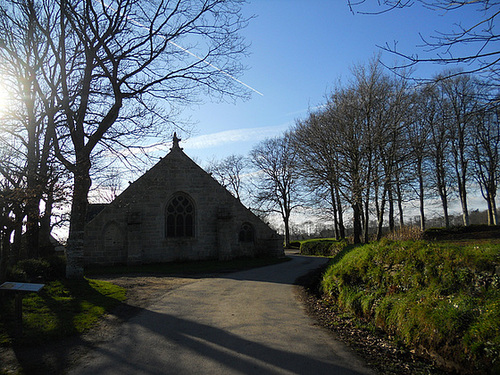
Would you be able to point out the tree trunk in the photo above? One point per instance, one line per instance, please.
(444, 201)
(387, 191)
(381, 216)
(32, 160)
(33, 198)
(46, 247)
(32, 228)
(4, 252)
(286, 221)
(492, 209)
(366, 216)
(392, 224)
(377, 204)
(463, 198)
(18, 234)
(335, 214)
(442, 189)
(74, 250)
(421, 196)
(400, 204)
(357, 213)
(341, 215)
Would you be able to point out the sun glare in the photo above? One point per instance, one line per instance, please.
(4, 100)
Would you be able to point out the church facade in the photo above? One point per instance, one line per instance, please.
(176, 212)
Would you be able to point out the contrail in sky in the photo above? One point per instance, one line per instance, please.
(195, 56)
(219, 69)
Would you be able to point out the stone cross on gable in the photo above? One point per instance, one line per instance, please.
(175, 142)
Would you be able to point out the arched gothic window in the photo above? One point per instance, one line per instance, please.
(246, 233)
(179, 217)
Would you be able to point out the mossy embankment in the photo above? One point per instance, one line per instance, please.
(440, 298)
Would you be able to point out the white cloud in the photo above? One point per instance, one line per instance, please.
(304, 112)
(232, 136)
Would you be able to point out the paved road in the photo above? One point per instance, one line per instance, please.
(241, 323)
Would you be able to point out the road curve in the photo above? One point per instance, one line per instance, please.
(241, 323)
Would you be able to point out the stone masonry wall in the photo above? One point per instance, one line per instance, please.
(132, 228)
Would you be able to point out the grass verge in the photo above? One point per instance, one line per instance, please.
(62, 308)
(437, 297)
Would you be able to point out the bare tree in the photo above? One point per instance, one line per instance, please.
(110, 66)
(486, 157)
(316, 145)
(355, 146)
(418, 133)
(278, 188)
(108, 185)
(346, 120)
(229, 172)
(29, 120)
(478, 33)
(439, 151)
(390, 145)
(462, 99)
(381, 103)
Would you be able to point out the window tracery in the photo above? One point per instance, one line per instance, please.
(246, 233)
(180, 217)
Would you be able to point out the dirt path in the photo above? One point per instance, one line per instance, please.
(247, 322)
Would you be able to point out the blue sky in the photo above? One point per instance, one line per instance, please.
(299, 50)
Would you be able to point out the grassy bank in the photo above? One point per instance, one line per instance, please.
(437, 297)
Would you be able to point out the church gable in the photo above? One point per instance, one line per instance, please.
(177, 211)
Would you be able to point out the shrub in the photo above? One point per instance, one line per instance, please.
(406, 233)
(461, 232)
(322, 247)
(32, 269)
(39, 269)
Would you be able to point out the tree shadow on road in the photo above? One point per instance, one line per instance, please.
(283, 273)
(180, 342)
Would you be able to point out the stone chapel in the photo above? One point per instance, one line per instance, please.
(176, 212)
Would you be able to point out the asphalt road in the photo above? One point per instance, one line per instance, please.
(241, 323)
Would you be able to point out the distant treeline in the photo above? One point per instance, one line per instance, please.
(320, 229)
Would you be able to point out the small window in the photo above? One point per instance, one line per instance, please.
(246, 233)
(179, 217)
(113, 238)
